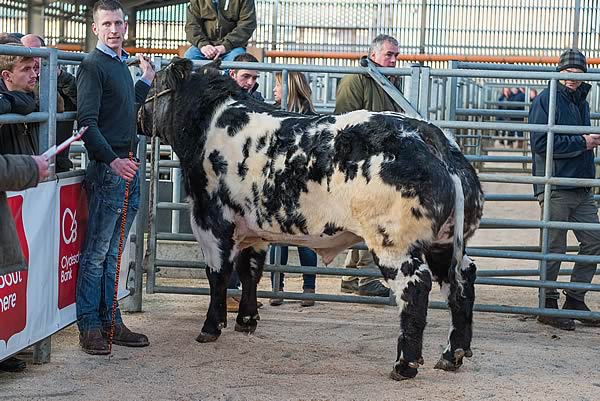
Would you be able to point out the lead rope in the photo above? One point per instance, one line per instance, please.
(119, 255)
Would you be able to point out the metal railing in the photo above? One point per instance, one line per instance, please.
(420, 86)
(426, 89)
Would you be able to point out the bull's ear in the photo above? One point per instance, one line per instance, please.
(178, 71)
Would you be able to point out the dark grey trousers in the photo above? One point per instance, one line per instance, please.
(574, 206)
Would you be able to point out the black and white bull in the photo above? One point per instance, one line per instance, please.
(256, 175)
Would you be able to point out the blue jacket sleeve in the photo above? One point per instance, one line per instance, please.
(565, 146)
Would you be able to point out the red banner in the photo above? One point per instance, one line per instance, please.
(13, 286)
(73, 221)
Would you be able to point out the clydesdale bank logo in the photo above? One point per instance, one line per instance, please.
(73, 220)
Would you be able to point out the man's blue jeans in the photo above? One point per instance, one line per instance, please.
(307, 257)
(193, 53)
(96, 277)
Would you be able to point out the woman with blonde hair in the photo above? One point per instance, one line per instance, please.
(298, 101)
(299, 93)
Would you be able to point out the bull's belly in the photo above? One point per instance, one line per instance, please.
(247, 234)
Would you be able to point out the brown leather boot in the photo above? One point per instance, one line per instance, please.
(93, 343)
(563, 323)
(308, 302)
(125, 337)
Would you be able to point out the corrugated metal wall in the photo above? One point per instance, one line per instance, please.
(13, 16)
(63, 22)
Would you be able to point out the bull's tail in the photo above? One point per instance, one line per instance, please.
(459, 223)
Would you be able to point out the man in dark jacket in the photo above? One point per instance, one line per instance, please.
(356, 92)
(219, 28)
(107, 104)
(65, 101)
(17, 82)
(573, 157)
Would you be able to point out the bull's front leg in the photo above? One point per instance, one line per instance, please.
(249, 266)
(461, 298)
(411, 283)
(216, 317)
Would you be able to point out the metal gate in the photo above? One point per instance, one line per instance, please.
(436, 94)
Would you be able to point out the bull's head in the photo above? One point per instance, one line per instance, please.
(161, 100)
(182, 102)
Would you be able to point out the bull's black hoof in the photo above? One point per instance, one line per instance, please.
(468, 353)
(245, 328)
(207, 337)
(455, 363)
(246, 324)
(404, 370)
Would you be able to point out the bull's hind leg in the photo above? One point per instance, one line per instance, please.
(411, 283)
(249, 266)
(461, 298)
(216, 317)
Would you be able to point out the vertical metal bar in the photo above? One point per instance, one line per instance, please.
(424, 93)
(135, 303)
(151, 273)
(576, 17)
(274, 26)
(48, 93)
(451, 88)
(413, 93)
(547, 187)
(176, 196)
(42, 351)
(423, 26)
(284, 89)
(276, 283)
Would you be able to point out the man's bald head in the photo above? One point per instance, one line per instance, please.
(33, 40)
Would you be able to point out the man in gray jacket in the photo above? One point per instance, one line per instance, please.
(17, 172)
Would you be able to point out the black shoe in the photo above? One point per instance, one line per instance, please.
(374, 289)
(12, 364)
(574, 304)
(93, 343)
(125, 337)
(562, 323)
(349, 286)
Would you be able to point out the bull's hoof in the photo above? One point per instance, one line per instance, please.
(455, 363)
(245, 328)
(207, 337)
(404, 370)
(468, 353)
(246, 324)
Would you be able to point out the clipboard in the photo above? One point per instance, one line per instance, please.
(54, 150)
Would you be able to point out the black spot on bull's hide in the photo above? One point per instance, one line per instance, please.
(261, 143)
(234, 119)
(242, 166)
(366, 170)
(331, 228)
(416, 213)
(386, 242)
(219, 163)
